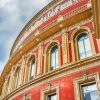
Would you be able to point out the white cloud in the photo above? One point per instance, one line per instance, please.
(3, 3)
(14, 14)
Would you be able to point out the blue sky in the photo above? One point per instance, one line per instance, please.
(14, 14)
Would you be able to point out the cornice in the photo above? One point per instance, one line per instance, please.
(65, 70)
(39, 14)
(35, 18)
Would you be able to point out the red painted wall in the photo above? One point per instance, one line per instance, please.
(66, 86)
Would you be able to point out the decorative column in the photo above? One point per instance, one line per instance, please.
(96, 17)
(10, 82)
(14, 78)
(5, 88)
(26, 71)
(22, 73)
(46, 57)
(65, 46)
(45, 60)
(42, 58)
(40, 54)
(72, 53)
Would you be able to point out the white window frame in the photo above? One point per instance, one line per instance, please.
(86, 79)
(49, 91)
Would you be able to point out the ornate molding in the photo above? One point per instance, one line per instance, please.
(85, 80)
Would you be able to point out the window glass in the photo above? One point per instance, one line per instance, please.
(88, 47)
(52, 97)
(32, 69)
(87, 44)
(81, 46)
(57, 59)
(54, 57)
(81, 49)
(90, 92)
(84, 46)
(53, 60)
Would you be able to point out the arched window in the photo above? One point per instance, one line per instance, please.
(84, 47)
(54, 57)
(32, 69)
(17, 77)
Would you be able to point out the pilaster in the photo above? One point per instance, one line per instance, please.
(65, 46)
(40, 54)
(96, 16)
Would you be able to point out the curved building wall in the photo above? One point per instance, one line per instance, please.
(58, 60)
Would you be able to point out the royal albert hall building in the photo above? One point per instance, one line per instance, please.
(56, 55)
